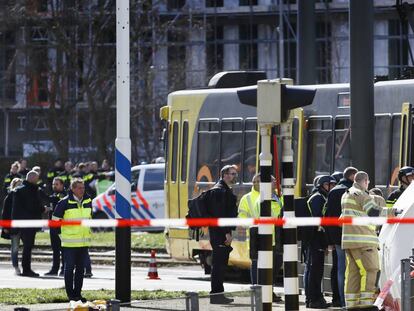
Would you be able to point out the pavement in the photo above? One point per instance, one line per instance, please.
(180, 278)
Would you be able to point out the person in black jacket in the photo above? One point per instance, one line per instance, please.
(58, 194)
(317, 244)
(405, 176)
(8, 233)
(221, 204)
(14, 169)
(334, 233)
(27, 205)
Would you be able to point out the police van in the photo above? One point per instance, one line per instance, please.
(147, 195)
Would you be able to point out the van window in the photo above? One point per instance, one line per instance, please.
(154, 179)
(135, 176)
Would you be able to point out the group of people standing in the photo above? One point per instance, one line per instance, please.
(354, 249)
(63, 196)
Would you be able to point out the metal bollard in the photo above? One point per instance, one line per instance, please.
(405, 285)
(256, 298)
(191, 301)
(113, 305)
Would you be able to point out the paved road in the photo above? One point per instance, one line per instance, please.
(183, 278)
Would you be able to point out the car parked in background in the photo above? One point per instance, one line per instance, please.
(147, 195)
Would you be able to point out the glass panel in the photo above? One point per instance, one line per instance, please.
(153, 179)
(319, 149)
(208, 151)
(174, 152)
(231, 143)
(250, 143)
(382, 149)
(342, 152)
(135, 176)
(295, 145)
(395, 151)
(184, 152)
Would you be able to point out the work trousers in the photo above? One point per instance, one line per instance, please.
(220, 258)
(28, 238)
(14, 249)
(57, 250)
(334, 277)
(362, 266)
(75, 258)
(315, 258)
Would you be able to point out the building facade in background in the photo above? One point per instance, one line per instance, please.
(57, 62)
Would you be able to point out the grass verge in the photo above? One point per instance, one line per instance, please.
(20, 296)
(107, 239)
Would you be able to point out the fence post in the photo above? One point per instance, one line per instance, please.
(256, 298)
(113, 305)
(405, 284)
(191, 301)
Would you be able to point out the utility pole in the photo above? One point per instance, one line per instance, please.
(122, 154)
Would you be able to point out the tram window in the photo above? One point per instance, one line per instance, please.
(382, 148)
(319, 155)
(184, 152)
(174, 152)
(208, 150)
(295, 144)
(395, 151)
(231, 142)
(342, 146)
(250, 143)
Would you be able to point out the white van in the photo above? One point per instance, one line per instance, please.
(147, 194)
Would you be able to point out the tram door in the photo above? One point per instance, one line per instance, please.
(178, 172)
(407, 128)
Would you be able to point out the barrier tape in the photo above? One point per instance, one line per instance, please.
(207, 222)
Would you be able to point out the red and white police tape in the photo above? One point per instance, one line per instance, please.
(207, 222)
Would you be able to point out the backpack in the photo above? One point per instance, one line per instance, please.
(197, 208)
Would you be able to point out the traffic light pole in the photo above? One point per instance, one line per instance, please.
(265, 254)
(290, 246)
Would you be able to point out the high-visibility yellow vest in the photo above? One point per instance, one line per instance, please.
(247, 205)
(357, 203)
(76, 236)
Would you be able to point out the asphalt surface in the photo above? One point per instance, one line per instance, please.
(180, 278)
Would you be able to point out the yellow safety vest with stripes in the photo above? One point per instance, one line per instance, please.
(357, 203)
(76, 236)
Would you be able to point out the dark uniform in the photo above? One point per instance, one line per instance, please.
(403, 172)
(7, 180)
(66, 178)
(54, 236)
(334, 236)
(54, 172)
(222, 204)
(316, 247)
(27, 205)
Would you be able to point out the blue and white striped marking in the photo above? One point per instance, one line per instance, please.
(123, 180)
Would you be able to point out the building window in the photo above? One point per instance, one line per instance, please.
(323, 52)
(248, 2)
(7, 66)
(397, 48)
(176, 59)
(214, 3)
(175, 4)
(214, 49)
(248, 46)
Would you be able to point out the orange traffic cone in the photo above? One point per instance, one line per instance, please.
(152, 272)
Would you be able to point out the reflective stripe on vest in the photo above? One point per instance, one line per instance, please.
(76, 236)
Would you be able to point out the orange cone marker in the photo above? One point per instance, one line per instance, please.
(152, 272)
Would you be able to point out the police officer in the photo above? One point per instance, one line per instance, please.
(14, 169)
(54, 172)
(75, 239)
(66, 175)
(334, 234)
(54, 198)
(360, 243)
(221, 204)
(405, 176)
(317, 244)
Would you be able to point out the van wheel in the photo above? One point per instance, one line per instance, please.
(101, 215)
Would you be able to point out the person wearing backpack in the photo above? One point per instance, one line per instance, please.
(334, 233)
(317, 244)
(222, 203)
